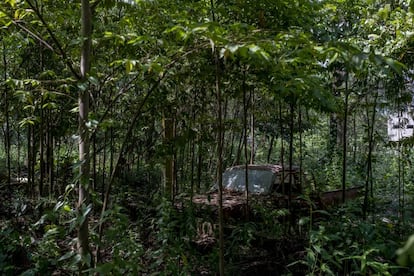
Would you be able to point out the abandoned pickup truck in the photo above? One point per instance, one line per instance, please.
(270, 185)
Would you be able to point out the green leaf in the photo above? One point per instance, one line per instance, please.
(155, 67)
(397, 66)
(243, 51)
(66, 208)
(83, 86)
(383, 13)
(93, 80)
(200, 29)
(68, 255)
(406, 253)
(105, 269)
(58, 205)
(108, 4)
(138, 40)
(12, 3)
(129, 65)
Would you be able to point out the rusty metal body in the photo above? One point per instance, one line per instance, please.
(268, 185)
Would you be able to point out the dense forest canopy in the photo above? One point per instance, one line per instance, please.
(116, 114)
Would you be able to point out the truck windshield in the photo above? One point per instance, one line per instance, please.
(260, 181)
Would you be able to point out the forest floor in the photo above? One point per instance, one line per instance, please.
(252, 249)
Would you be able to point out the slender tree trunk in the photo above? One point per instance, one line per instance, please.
(94, 163)
(43, 125)
(220, 139)
(371, 144)
(252, 129)
(7, 135)
(226, 142)
(111, 153)
(344, 140)
(300, 146)
(58, 167)
(41, 147)
(400, 178)
(220, 165)
(104, 167)
(192, 153)
(355, 136)
(50, 155)
(19, 151)
(199, 162)
(32, 160)
(200, 152)
(176, 183)
(246, 152)
(334, 122)
(84, 154)
(240, 147)
(47, 151)
(291, 130)
(282, 148)
(235, 148)
(269, 152)
(169, 178)
(369, 191)
(28, 159)
(231, 147)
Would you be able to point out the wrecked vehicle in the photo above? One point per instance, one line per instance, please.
(270, 185)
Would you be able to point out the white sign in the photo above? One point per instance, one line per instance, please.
(400, 127)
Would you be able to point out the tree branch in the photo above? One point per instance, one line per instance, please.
(60, 50)
(32, 34)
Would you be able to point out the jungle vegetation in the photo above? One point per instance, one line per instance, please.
(112, 112)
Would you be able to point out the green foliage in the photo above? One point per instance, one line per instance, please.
(122, 246)
(332, 173)
(173, 232)
(14, 256)
(406, 253)
(156, 58)
(347, 244)
(52, 249)
(269, 219)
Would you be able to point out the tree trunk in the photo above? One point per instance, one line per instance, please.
(355, 140)
(32, 159)
(104, 167)
(41, 147)
(7, 129)
(282, 147)
(19, 150)
(245, 143)
(84, 155)
(169, 161)
(291, 130)
(252, 128)
(369, 192)
(220, 138)
(344, 140)
(335, 137)
(94, 164)
(300, 146)
(240, 148)
(220, 166)
(50, 154)
(269, 152)
(199, 162)
(192, 152)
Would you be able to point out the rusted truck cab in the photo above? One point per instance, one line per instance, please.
(262, 179)
(273, 186)
(268, 185)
